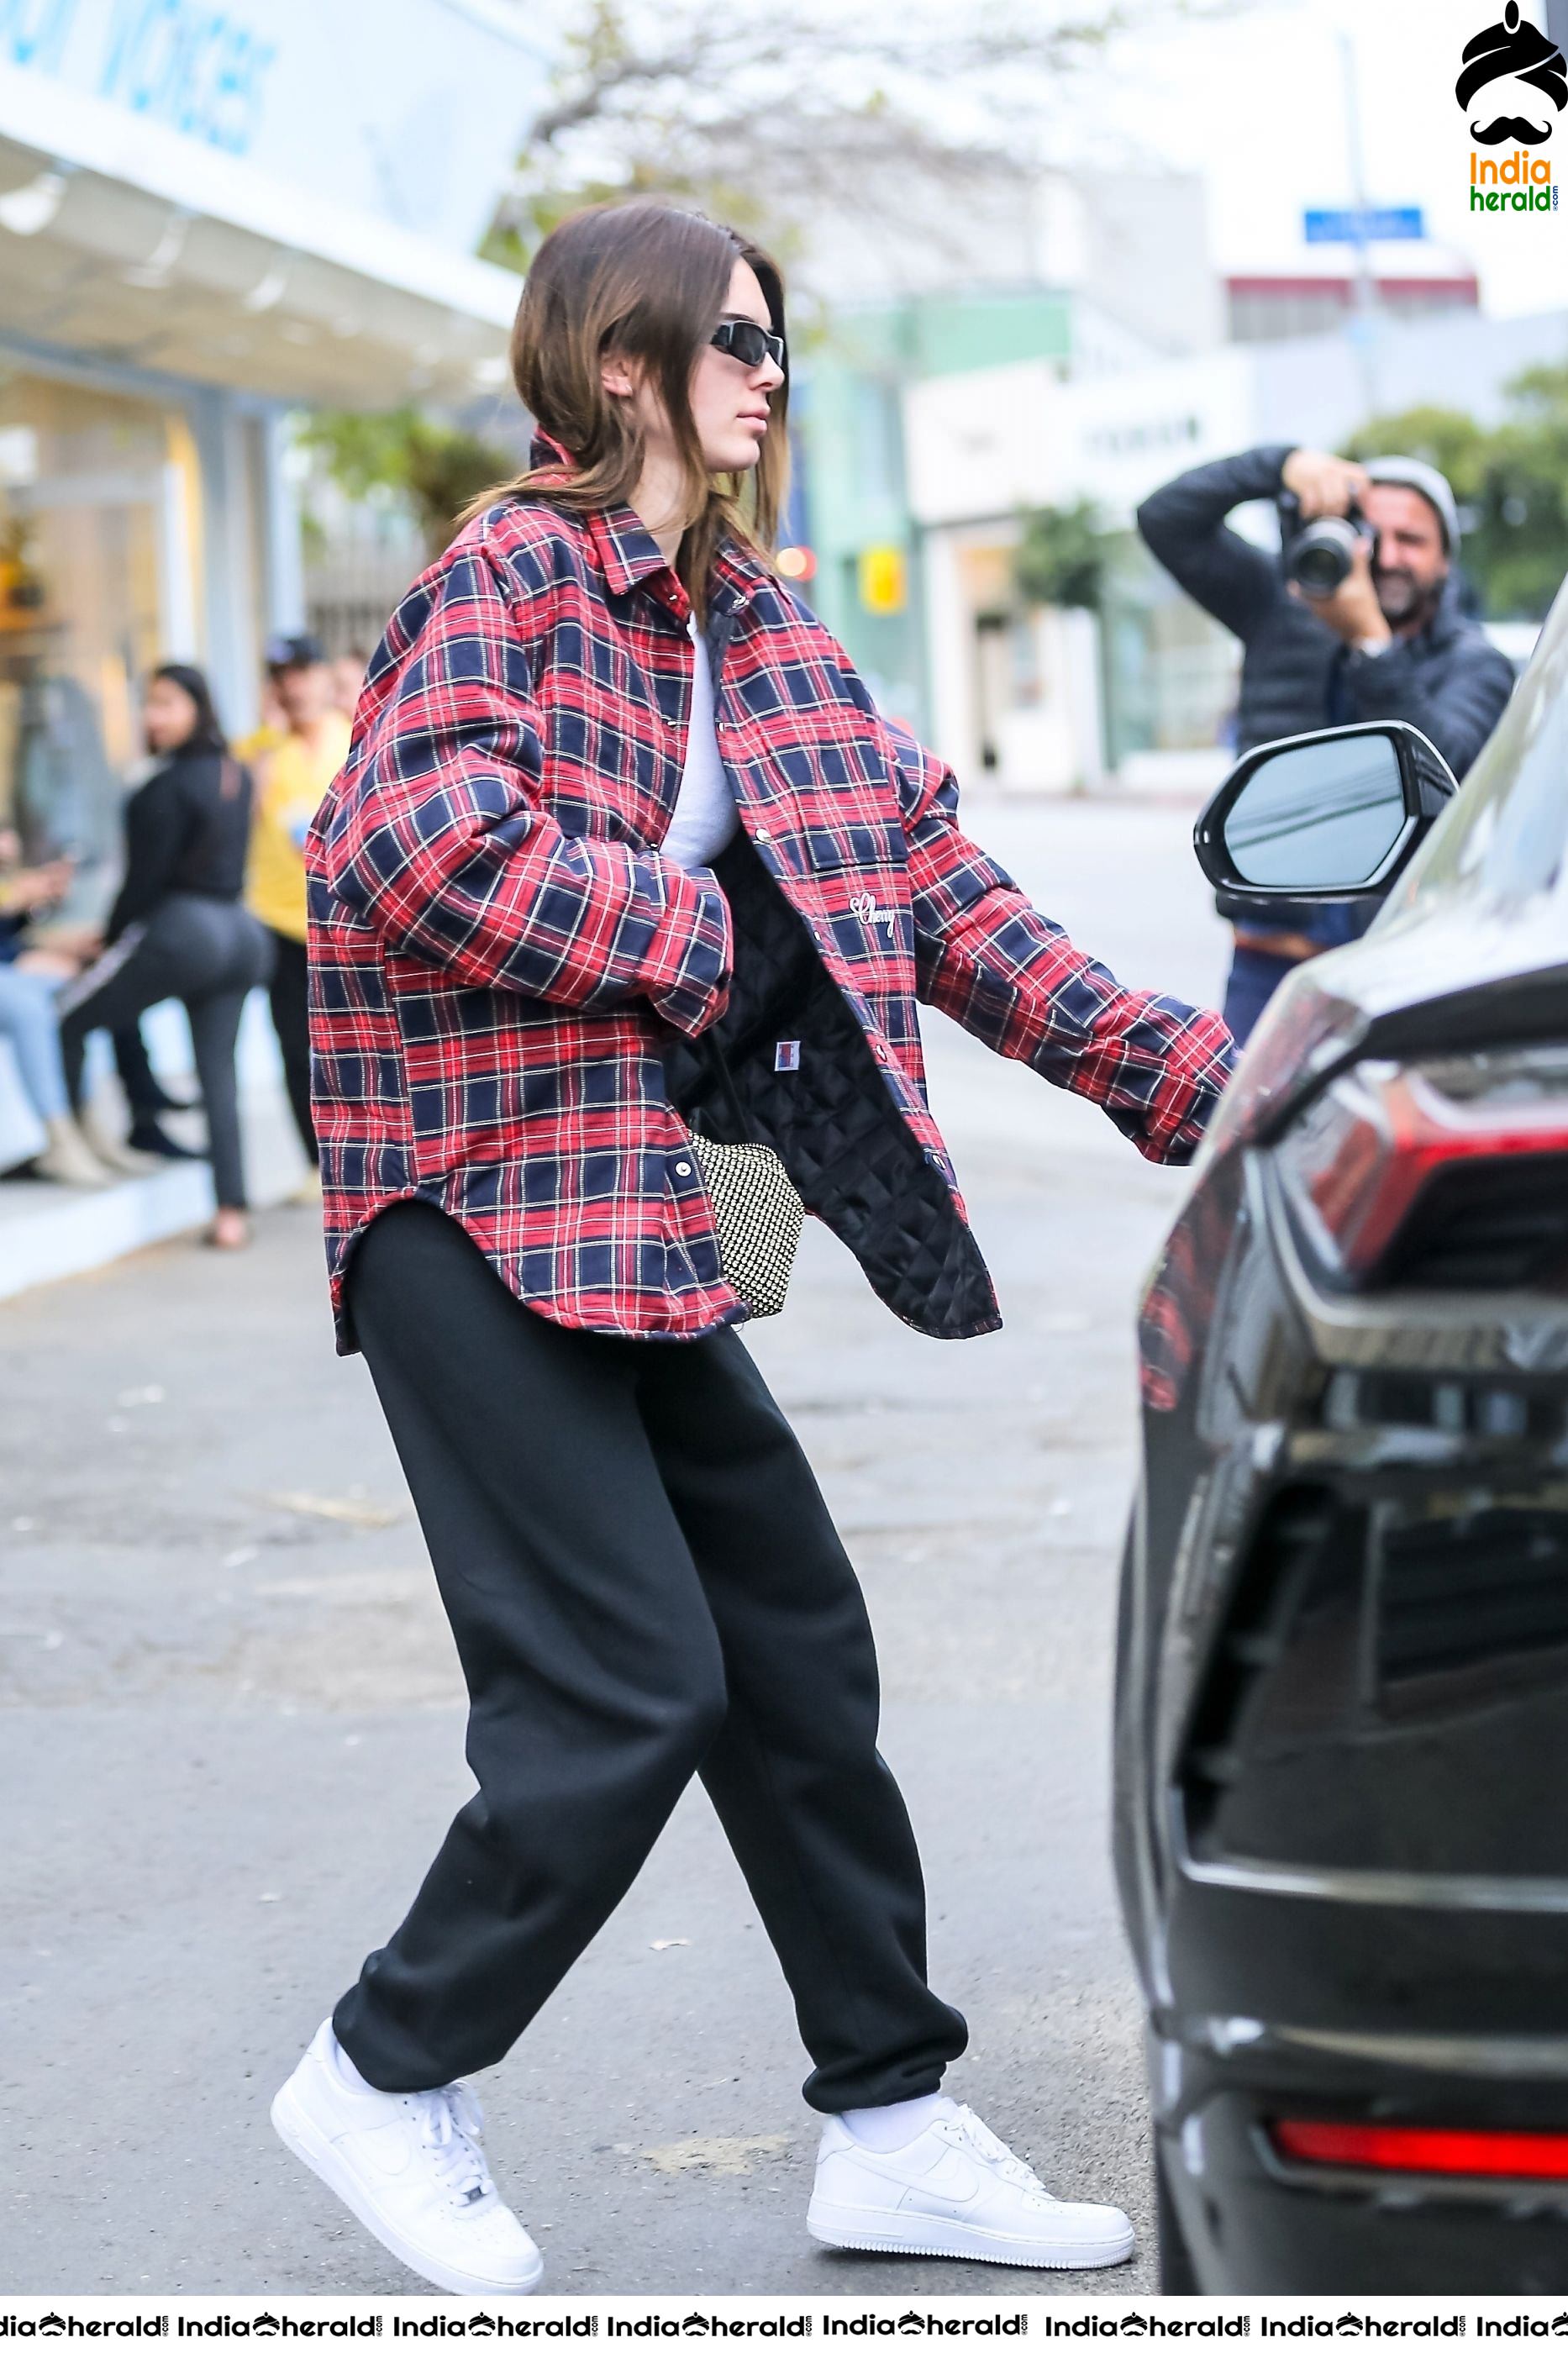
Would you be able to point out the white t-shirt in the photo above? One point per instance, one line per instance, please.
(705, 819)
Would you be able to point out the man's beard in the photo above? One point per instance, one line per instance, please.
(1399, 594)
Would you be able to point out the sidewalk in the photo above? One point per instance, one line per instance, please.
(48, 1231)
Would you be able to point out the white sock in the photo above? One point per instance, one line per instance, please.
(347, 2069)
(894, 2126)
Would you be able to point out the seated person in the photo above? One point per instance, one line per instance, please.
(29, 976)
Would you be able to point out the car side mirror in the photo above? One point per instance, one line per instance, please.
(1332, 815)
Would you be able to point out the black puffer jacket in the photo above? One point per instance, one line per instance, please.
(1448, 680)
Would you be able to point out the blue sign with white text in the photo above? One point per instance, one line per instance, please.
(1373, 225)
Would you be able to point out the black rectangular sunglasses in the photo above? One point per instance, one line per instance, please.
(746, 342)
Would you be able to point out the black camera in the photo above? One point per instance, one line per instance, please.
(1318, 556)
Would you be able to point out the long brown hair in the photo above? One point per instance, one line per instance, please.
(648, 282)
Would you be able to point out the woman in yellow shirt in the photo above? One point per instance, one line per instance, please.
(290, 783)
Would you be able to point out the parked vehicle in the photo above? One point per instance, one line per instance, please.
(1341, 1713)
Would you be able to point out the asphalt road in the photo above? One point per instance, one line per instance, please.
(231, 1729)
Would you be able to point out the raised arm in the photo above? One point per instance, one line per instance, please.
(436, 834)
(1184, 527)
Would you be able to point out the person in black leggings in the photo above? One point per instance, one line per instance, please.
(177, 928)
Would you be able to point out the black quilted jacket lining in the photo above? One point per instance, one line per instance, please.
(832, 1120)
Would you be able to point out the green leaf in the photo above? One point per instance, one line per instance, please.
(1061, 557)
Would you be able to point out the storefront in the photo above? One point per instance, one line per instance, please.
(97, 552)
(207, 224)
(210, 219)
(1051, 701)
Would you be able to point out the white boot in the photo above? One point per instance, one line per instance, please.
(66, 1158)
(956, 2190)
(410, 2165)
(113, 1150)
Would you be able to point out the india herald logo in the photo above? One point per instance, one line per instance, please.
(1512, 53)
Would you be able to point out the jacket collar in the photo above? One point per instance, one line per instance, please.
(627, 553)
(624, 549)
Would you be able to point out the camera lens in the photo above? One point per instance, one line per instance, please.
(1319, 558)
(1320, 570)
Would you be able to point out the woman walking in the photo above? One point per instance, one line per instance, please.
(624, 853)
(177, 928)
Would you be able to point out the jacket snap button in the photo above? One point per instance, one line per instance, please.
(683, 1167)
(765, 833)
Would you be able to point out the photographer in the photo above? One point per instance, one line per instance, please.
(1388, 642)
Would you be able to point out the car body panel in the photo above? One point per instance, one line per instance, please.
(1341, 1712)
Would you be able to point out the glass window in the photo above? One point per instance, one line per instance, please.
(1505, 835)
(93, 507)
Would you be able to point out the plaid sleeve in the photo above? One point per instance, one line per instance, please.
(438, 841)
(1005, 971)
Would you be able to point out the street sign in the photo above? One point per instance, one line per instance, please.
(1373, 225)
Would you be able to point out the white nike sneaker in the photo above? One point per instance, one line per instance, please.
(956, 2190)
(409, 2164)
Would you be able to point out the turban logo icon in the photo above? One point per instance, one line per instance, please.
(1532, 67)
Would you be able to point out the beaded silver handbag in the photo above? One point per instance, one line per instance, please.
(757, 1213)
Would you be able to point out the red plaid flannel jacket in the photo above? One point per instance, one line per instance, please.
(497, 944)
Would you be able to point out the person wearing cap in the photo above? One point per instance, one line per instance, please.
(292, 782)
(1391, 643)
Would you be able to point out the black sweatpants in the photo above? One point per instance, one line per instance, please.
(209, 952)
(644, 1583)
(289, 997)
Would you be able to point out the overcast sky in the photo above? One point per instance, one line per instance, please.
(1258, 105)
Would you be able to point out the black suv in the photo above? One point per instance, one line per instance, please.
(1341, 1713)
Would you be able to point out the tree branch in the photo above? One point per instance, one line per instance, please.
(773, 110)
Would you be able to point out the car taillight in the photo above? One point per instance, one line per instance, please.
(1305, 1031)
(1452, 1173)
(1423, 2148)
